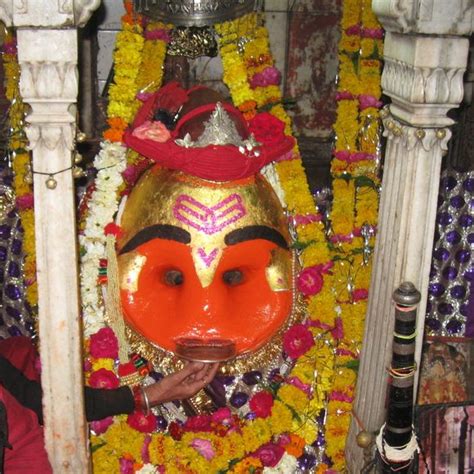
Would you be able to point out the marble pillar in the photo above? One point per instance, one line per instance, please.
(425, 57)
(47, 53)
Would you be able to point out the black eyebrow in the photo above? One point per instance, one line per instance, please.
(253, 232)
(157, 231)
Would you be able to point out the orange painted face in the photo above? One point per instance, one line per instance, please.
(205, 269)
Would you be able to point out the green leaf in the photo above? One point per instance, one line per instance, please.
(95, 447)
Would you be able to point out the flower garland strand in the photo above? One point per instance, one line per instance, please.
(355, 189)
(315, 279)
(22, 183)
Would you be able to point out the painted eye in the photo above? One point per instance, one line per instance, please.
(233, 277)
(173, 277)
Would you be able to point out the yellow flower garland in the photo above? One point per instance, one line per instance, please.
(355, 203)
(21, 165)
(299, 203)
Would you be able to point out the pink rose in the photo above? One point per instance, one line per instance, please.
(366, 101)
(104, 344)
(198, 423)
(142, 423)
(103, 378)
(297, 341)
(310, 281)
(100, 426)
(270, 454)
(222, 415)
(155, 131)
(267, 129)
(261, 404)
(203, 447)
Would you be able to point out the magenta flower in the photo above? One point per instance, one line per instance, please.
(270, 454)
(103, 378)
(353, 30)
(25, 202)
(104, 344)
(310, 279)
(297, 340)
(203, 447)
(360, 294)
(338, 330)
(366, 101)
(341, 397)
(100, 426)
(160, 34)
(222, 415)
(270, 76)
(304, 387)
(126, 466)
(374, 33)
(300, 219)
(344, 95)
(10, 47)
(141, 422)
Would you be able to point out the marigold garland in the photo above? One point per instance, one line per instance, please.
(17, 146)
(299, 202)
(355, 188)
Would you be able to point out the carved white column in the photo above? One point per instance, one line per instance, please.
(425, 56)
(47, 53)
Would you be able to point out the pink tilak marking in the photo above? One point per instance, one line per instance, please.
(209, 220)
(207, 259)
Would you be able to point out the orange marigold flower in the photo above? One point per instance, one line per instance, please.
(113, 135)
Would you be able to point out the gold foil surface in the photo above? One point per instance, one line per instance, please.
(207, 210)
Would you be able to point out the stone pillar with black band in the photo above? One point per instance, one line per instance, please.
(425, 56)
(47, 54)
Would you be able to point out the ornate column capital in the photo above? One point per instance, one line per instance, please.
(423, 75)
(438, 17)
(47, 13)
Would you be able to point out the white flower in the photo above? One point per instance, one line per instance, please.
(287, 465)
(110, 163)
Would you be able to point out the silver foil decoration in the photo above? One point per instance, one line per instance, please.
(194, 12)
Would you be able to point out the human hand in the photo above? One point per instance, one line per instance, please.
(182, 384)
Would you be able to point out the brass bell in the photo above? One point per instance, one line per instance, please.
(77, 172)
(77, 158)
(364, 439)
(51, 183)
(81, 137)
(28, 177)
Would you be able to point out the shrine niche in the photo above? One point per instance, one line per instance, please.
(200, 240)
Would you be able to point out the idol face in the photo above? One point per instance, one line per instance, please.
(205, 264)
